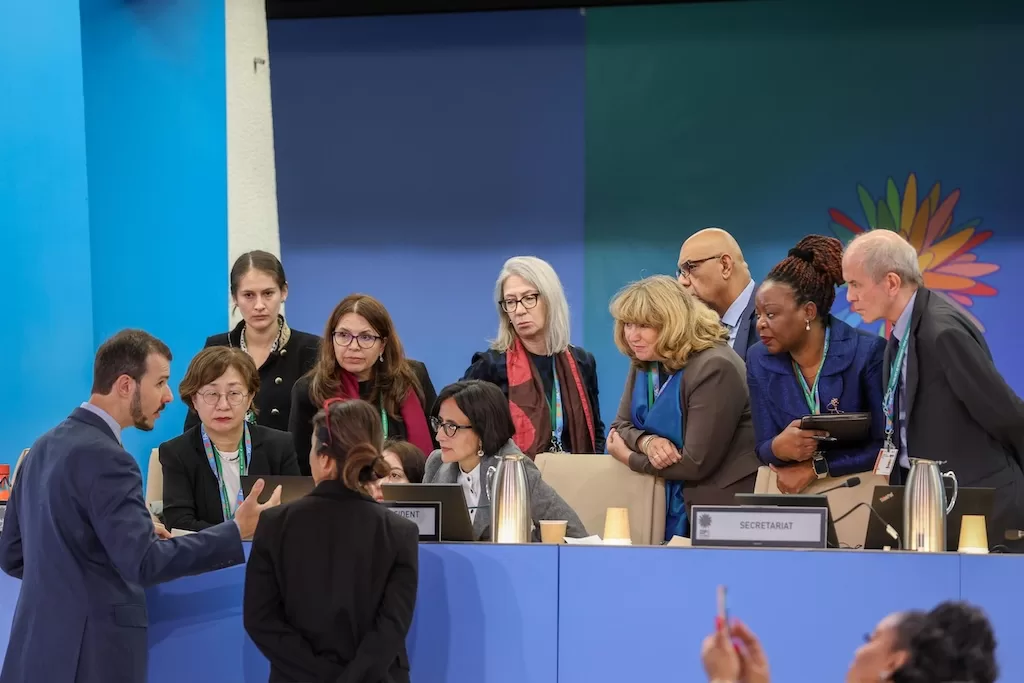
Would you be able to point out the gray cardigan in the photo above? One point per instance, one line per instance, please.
(545, 503)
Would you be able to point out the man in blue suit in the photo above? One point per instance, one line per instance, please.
(712, 268)
(79, 536)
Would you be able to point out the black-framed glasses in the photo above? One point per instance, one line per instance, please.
(509, 304)
(363, 341)
(686, 267)
(450, 428)
(212, 398)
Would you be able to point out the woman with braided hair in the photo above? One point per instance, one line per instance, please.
(809, 363)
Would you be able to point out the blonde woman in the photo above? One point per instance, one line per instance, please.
(551, 385)
(685, 412)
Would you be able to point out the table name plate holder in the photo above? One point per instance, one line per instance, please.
(758, 526)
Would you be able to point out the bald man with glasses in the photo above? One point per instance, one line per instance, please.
(712, 268)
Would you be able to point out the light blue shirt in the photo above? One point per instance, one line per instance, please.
(111, 422)
(731, 319)
(901, 328)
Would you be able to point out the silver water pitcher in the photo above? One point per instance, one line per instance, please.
(925, 508)
(510, 499)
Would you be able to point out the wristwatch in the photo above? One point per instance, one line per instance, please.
(820, 465)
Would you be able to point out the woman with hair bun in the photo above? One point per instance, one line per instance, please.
(809, 363)
(330, 586)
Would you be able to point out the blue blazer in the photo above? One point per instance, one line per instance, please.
(852, 373)
(78, 535)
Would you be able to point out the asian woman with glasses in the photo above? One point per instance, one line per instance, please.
(362, 357)
(203, 467)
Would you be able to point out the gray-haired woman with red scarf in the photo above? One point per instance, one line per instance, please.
(551, 385)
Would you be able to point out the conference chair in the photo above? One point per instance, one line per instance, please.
(591, 484)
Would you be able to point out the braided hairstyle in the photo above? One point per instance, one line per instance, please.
(955, 642)
(813, 269)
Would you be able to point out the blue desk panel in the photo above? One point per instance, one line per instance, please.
(640, 614)
(993, 582)
(483, 613)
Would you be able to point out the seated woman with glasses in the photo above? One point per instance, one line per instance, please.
(474, 428)
(405, 462)
(203, 467)
(551, 385)
(362, 357)
(330, 586)
(685, 413)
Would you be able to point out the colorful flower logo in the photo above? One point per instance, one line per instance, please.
(946, 254)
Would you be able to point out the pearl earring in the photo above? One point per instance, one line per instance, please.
(808, 325)
(380, 358)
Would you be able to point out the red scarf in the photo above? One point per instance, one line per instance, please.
(531, 410)
(413, 415)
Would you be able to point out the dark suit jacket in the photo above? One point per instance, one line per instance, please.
(300, 423)
(191, 493)
(960, 409)
(277, 375)
(852, 373)
(746, 333)
(718, 458)
(490, 366)
(330, 589)
(79, 536)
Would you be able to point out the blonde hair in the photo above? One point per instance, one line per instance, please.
(685, 325)
(541, 275)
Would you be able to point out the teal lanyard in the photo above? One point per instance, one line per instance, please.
(654, 385)
(555, 406)
(213, 458)
(384, 418)
(889, 398)
(811, 393)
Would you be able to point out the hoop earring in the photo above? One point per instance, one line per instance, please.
(807, 326)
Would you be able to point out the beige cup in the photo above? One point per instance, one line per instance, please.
(973, 535)
(553, 530)
(616, 527)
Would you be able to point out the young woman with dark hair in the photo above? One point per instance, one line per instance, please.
(405, 462)
(330, 586)
(282, 355)
(474, 429)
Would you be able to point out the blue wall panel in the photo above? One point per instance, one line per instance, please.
(44, 221)
(156, 130)
(416, 154)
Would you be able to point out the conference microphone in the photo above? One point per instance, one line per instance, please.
(848, 484)
(889, 529)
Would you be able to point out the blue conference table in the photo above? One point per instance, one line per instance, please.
(540, 614)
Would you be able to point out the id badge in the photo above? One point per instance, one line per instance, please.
(886, 460)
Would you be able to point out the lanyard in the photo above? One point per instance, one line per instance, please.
(654, 385)
(889, 398)
(811, 393)
(244, 457)
(384, 418)
(555, 405)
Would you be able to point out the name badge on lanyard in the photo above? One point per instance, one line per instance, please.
(213, 458)
(555, 405)
(887, 455)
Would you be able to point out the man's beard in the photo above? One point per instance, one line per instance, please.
(138, 417)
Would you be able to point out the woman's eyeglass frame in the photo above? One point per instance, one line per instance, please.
(363, 341)
(450, 428)
(234, 398)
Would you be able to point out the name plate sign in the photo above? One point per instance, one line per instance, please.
(426, 516)
(758, 526)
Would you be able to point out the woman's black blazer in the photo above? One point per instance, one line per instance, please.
(191, 494)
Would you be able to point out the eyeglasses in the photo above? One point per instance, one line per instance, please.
(510, 304)
(212, 398)
(686, 267)
(450, 428)
(363, 341)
